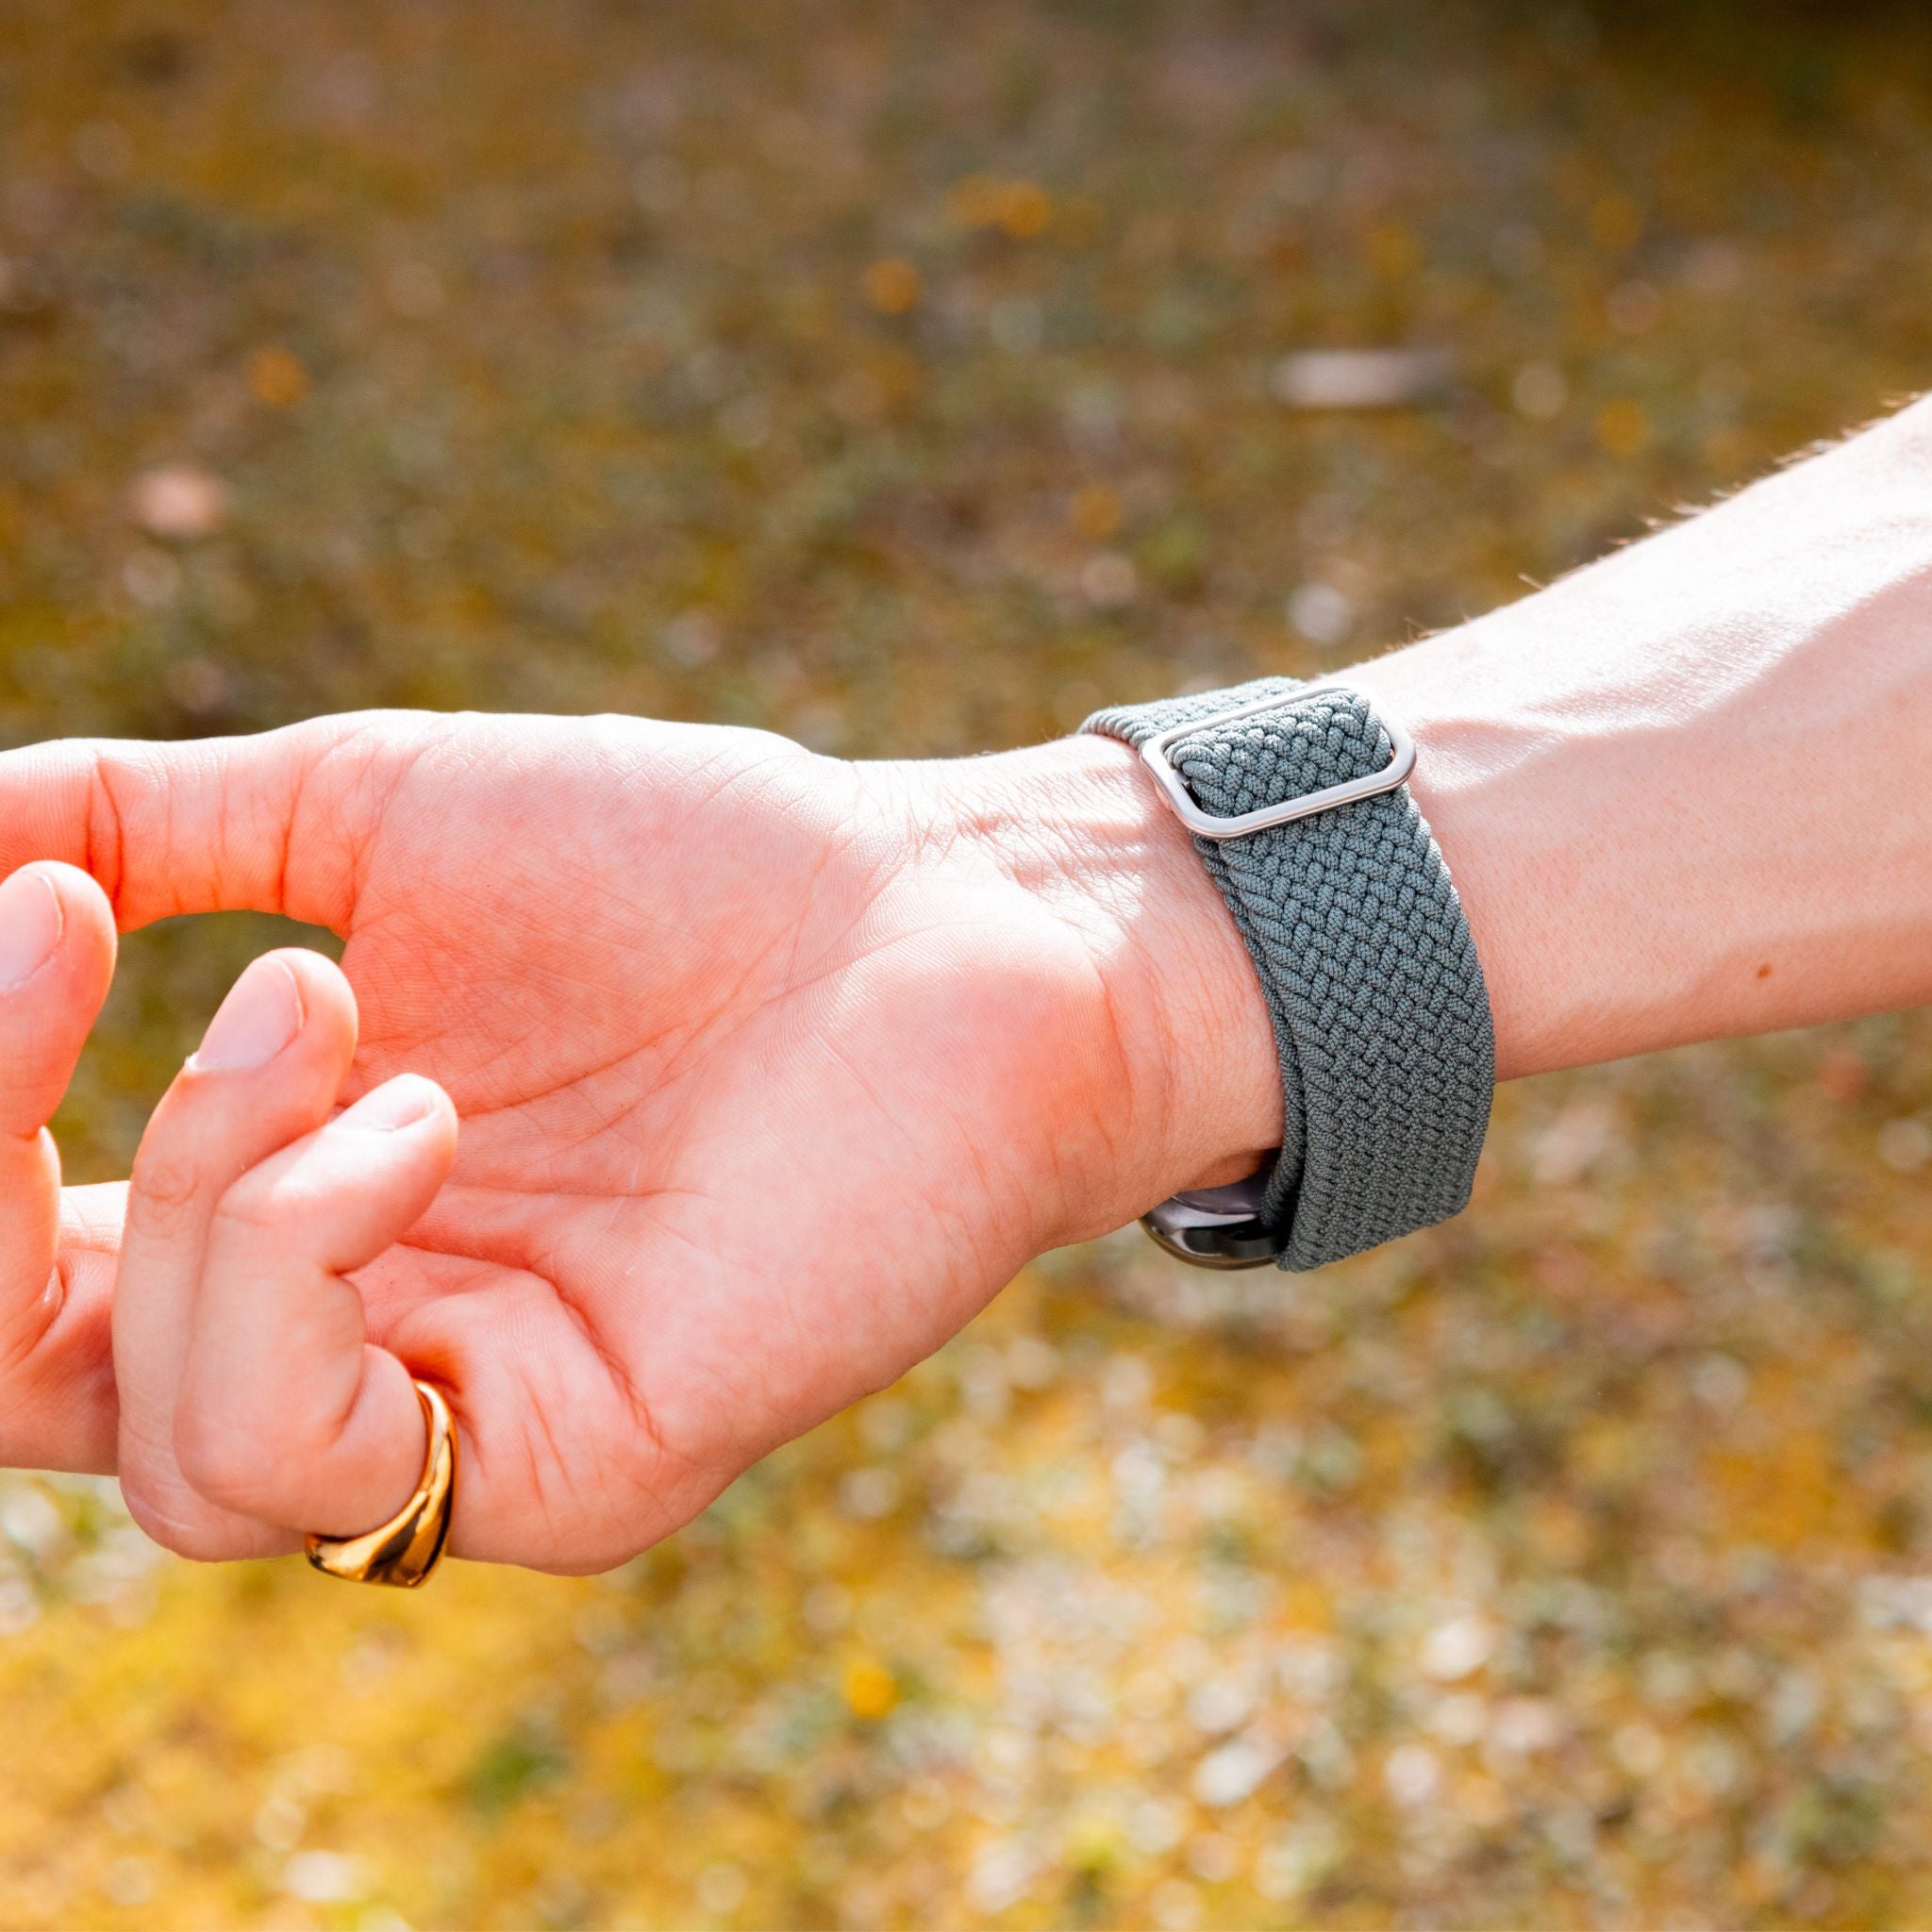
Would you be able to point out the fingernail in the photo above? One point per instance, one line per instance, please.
(30, 925)
(262, 1014)
(398, 1102)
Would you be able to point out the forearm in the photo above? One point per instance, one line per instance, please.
(1679, 792)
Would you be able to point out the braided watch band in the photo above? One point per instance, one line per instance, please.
(1371, 976)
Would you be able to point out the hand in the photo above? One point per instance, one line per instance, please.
(770, 1069)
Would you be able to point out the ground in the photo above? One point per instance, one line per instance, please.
(908, 379)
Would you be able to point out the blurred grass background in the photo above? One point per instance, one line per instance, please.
(908, 379)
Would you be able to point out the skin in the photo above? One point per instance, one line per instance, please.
(770, 1069)
(770, 1072)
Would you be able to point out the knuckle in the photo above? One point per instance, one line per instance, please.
(279, 1212)
(167, 1187)
(223, 1463)
(106, 816)
(249, 1207)
(25, 1328)
(181, 1530)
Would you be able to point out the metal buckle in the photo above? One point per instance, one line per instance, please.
(1207, 824)
(1215, 1228)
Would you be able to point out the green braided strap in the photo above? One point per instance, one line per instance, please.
(1381, 1018)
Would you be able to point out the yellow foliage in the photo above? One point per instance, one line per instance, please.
(891, 286)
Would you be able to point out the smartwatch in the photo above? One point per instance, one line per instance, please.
(1296, 797)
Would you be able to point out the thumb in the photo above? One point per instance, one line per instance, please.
(270, 822)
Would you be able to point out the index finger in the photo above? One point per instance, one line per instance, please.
(266, 823)
(267, 1072)
(288, 1413)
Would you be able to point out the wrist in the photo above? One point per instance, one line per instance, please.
(1182, 1038)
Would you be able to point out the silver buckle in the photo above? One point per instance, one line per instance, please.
(1207, 824)
(1215, 1228)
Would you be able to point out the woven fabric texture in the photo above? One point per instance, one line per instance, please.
(1381, 1017)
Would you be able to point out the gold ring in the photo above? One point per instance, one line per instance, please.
(403, 1551)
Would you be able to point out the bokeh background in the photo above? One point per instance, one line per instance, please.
(908, 379)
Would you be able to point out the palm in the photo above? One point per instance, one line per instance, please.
(741, 1142)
